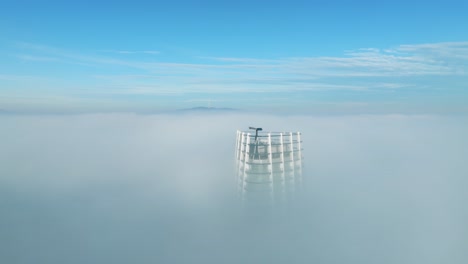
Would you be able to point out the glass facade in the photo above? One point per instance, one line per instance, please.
(269, 166)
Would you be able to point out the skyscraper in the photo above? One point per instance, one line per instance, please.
(269, 166)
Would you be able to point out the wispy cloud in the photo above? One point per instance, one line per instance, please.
(21, 77)
(151, 52)
(422, 59)
(356, 70)
(440, 50)
(35, 58)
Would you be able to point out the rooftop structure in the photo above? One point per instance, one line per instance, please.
(269, 166)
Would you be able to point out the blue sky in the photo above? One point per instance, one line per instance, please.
(297, 56)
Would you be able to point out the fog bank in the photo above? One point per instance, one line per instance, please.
(123, 188)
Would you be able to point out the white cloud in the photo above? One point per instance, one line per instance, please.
(404, 60)
(391, 185)
(247, 75)
(152, 52)
(35, 58)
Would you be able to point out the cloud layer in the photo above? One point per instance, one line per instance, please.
(160, 188)
(402, 74)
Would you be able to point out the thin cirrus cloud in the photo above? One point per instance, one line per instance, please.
(423, 59)
(130, 52)
(444, 49)
(27, 57)
(358, 70)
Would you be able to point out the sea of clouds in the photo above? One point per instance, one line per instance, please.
(128, 188)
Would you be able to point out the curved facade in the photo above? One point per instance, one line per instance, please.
(269, 166)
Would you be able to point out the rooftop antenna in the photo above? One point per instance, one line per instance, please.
(256, 131)
(256, 142)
